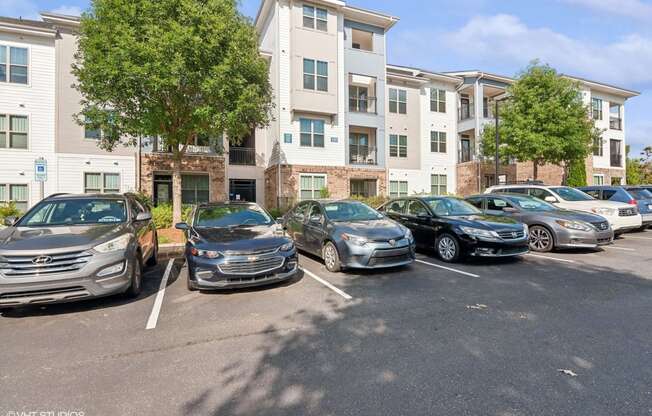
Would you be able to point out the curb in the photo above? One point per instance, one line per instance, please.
(170, 250)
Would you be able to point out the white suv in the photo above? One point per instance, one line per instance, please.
(622, 217)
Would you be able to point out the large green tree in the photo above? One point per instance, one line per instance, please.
(542, 120)
(172, 69)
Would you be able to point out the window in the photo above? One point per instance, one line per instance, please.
(363, 187)
(615, 150)
(363, 40)
(540, 193)
(598, 180)
(397, 146)
(437, 100)
(476, 202)
(416, 208)
(194, 189)
(396, 207)
(312, 132)
(616, 180)
(615, 123)
(18, 194)
(13, 131)
(438, 184)
(315, 18)
(596, 108)
(91, 133)
(598, 147)
(315, 75)
(311, 186)
(398, 189)
(14, 62)
(101, 183)
(496, 204)
(358, 99)
(397, 101)
(438, 141)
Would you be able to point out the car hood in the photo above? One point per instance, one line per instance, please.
(38, 240)
(242, 238)
(376, 230)
(570, 215)
(588, 205)
(492, 222)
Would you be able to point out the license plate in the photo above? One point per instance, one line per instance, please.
(649, 206)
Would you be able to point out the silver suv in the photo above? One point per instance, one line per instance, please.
(72, 247)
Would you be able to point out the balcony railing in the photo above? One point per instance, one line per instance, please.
(616, 161)
(466, 112)
(245, 156)
(158, 146)
(363, 155)
(465, 156)
(615, 123)
(362, 105)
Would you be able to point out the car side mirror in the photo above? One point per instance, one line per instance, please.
(316, 219)
(10, 221)
(181, 226)
(551, 199)
(143, 216)
(423, 215)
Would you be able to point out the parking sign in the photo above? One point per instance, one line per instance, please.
(40, 170)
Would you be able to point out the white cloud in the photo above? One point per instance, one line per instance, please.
(505, 39)
(632, 8)
(19, 8)
(68, 10)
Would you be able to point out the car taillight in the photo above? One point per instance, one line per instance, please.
(194, 251)
(632, 202)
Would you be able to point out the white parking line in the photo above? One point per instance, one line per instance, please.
(550, 258)
(447, 268)
(327, 284)
(153, 317)
(637, 238)
(619, 248)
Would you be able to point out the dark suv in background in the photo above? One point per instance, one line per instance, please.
(71, 247)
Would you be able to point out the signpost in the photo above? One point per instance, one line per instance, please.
(41, 175)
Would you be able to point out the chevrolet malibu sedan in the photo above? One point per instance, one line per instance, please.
(455, 228)
(236, 244)
(349, 234)
(550, 227)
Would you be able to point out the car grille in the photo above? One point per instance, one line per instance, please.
(251, 252)
(627, 212)
(18, 266)
(511, 235)
(74, 292)
(601, 226)
(251, 267)
(383, 257)
(604, 240)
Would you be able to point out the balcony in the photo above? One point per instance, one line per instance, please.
(363, 155)
(466, 112)
(615, 123)
(465, 155)
(362, 105)
(242, 156)
(158, 146)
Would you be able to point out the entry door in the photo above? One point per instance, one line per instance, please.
(162, 189)
(242, 190)
(465, 105)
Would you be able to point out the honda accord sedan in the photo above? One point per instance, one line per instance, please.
(455, 228)
(72, 247)
(349, 234)
(550, 227)
(236, 244)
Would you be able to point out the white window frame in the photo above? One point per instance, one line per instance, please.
(436, 189)
(598, 179)
(398, 193)
(437, 99)
(312, 133)
(596, 112)
(7, 191)
(195, 190)
(398, 101)
(314, 18)
(315, 192)
(315, 76)
(8, 64)
(103, 175)
(436, 142)
(598, 151)
(8, 132)
(398, 146)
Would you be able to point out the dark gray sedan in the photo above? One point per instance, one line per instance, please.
(550, 226)
(349, 234)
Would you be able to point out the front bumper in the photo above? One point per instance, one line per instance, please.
(377, 255)
(68, 286)
(214, 274)
(582, 239)
(507, 248)
(623, 224)
(647, 219)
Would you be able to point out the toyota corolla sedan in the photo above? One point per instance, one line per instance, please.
(236, 244)
(455, 228)
(550, 227)
(349, 234)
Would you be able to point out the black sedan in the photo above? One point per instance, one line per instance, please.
(349, 234)
(455, 228)
(236, 244)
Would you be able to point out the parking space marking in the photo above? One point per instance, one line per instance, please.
(619, 248)
(638, 238)
(550, 258)
(156, 309)
(450, 269)
(327, 284)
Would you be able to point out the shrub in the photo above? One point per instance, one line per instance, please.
(373, 201)
(145, 200)
(9, 210)
(576, 174)
(162, 215)
(324, 193)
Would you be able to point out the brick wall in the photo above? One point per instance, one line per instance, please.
(467, 176)
(608, 174)
(214, 166)
(549, 174)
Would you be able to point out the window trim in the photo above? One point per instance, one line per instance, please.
(315, 76)
(398, 146)
(398, 193)
(598, 148)
(439, 185)
(436, 142)
(313, 190)
(8, 132)
(314, 17)
(195, 174)
(312, 132)
(597, 110)
(8, 65)
(437, 101)
(598, 175)
(397, 101)
(7, 190)
(102, 175)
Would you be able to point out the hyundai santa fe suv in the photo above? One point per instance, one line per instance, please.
(72, 247)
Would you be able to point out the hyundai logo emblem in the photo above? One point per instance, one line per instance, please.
(42, 260)
(392, 242)
(514, 234)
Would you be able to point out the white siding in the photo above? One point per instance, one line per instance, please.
(73, 167)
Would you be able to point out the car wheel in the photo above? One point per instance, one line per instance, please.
(151, 262)
(448, 248)
(136, 285)
(541, 239)
(331, 258)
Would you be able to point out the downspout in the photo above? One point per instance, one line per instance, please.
(477, 131)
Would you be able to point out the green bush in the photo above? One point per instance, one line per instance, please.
(278, 212)
(9, 210)
(145, 200)
(162, 215)
(576, 174)
(324, 193)
(373, 201)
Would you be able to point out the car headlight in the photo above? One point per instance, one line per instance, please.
(209, 254)
(409, 236)
(575, 225)
(354, 239)
(287, 246)
(117, 244)
(526, 229)
(479, 232)
(609, 212)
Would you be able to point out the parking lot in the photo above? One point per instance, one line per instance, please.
(561, 333)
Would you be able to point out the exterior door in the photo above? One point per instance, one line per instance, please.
(294, 224)
(313, 229)
(242, 190)
(162, 189)
(419, 222)
(465, 150)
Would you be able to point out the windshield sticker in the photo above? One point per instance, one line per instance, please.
(332, 208)
(109, 219)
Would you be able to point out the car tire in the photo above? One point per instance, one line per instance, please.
(541, 239)
(153, 260)
(331, 258)
(136, 285)
(448, 248)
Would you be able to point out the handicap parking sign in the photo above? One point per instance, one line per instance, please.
(41, 170)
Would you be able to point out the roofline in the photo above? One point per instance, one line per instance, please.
(23, 26)
(431, 74)
(611, 88)
(62, 19)
(482, 74)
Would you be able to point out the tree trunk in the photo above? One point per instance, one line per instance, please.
(535, 170)
(176, 190)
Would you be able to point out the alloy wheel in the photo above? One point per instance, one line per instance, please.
(540, 239)
(447, 248)
(330, 256)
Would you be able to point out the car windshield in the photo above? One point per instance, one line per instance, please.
(350, 211)
(225, 216)
(82, 211)
(570, 194)
(528, 203)
(640, 193)
(450, 207)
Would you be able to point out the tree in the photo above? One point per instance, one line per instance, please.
(634, 168)
(173, 69)
(543, 120)
(576, 175)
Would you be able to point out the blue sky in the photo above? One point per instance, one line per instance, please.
(603, 40)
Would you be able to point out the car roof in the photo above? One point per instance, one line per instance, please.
(86, 196)
(221, 204)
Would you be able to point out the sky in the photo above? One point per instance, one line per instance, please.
(603, 40)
